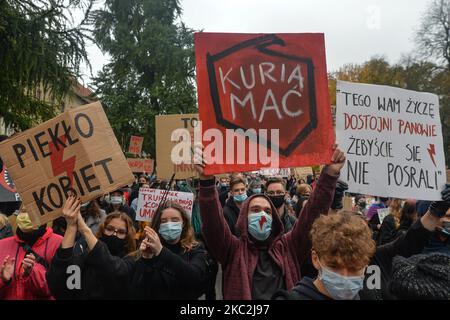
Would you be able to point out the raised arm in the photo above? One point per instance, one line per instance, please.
(417, 237)
(218, 237)
(318, 203)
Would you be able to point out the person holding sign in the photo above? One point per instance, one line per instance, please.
(264, 259)
(94, 268)
(24, 260)
(170, 264)
(349, 264)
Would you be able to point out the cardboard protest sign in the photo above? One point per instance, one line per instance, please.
(303, 172)
(75, 151)
(383, 213)
(393, 141)
(8, 191)
(149, 200)
(138, 165)
(263, 101)
(166, 146)
(136, 144)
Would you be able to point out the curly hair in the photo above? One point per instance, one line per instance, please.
(343, 240)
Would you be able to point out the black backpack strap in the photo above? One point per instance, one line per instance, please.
(39, 259)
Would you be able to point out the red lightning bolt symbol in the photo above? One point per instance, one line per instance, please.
(58, 165)
(432, 153)
(262, 221)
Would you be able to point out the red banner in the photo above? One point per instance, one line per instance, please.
(138, 165)
(261, 83)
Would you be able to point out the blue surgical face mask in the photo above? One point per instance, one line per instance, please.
(240, 197)
(340, 287)
(260, 225)
(170, 231)
(256, 190)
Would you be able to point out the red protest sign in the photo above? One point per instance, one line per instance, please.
(138, 165)
(261, 83)
(136, 144)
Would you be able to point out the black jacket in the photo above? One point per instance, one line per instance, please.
(103, 276)
(288, 220)
(223, 195)
(388, 230)
(173, 275)
(231, 213)
(411, 243)
(304, 290)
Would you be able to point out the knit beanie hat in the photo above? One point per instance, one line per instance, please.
(423, 276)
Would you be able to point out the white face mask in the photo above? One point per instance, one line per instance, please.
(116, 200)
(341, 287)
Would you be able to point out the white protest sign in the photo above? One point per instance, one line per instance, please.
(283, 172)
(392, 139)
(383, 213)
(149, 200)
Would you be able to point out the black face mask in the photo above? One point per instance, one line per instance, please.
(31, 237)
(115, 245)
(277, 201)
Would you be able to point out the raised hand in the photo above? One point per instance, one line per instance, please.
(71, 210)
(146, 249)
(7, 269)
(200, 163)
(337, 162)
(28, 264)
(153, 240)
(440, 208)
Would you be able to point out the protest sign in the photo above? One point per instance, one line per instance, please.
(138, 165)
(383, 213)
(303, 172)
(263, 101)
(166, 146)
(149, 200)
(393, 141)
(136, 144)
(75, 151)
(8, 192)
(284, 173)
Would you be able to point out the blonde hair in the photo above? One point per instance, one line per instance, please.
(303, 188)
(395, 207)
(3, 220)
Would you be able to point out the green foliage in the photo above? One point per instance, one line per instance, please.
(152, 68)
(41, 52)
(408, 74)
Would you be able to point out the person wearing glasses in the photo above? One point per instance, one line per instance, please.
(96, 266)
(276, 191)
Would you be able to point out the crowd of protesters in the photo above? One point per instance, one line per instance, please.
(272, 237)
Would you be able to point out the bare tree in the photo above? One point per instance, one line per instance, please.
(433, 36)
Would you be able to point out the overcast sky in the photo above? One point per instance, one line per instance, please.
(355, 30)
